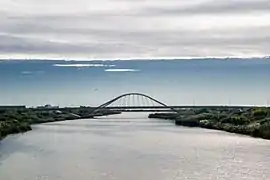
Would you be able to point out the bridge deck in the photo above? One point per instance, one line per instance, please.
(174, 107)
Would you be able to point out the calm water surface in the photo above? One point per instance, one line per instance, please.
(131, 147)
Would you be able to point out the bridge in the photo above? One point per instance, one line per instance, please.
(134, 102)
(130, 102)
(138, 102)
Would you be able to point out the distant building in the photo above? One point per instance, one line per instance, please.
(58, 112)
(48, 106)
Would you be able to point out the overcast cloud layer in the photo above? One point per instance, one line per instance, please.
(115, 29)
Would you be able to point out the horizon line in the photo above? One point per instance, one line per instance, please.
(138, 58)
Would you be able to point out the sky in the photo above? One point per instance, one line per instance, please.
(116, 29)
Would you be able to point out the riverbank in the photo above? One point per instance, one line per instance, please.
(19, 120)
(12, 127)
(254, 122)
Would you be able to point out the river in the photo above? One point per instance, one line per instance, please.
(131, 147)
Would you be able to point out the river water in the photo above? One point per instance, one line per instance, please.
(131, 147)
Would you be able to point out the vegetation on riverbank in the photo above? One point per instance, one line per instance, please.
(249, 121)
(20, 120)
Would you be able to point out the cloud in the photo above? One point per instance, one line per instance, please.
(83, 65)
(212, 7)
(21, 44)
(32, 72)
(121, 70)
(139, 29)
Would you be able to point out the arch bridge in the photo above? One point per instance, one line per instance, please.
(134, 102)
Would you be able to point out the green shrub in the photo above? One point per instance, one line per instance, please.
(260, 113)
